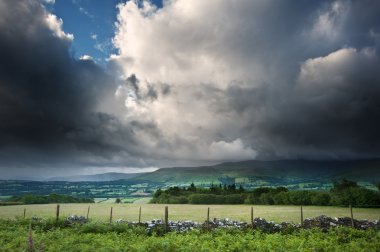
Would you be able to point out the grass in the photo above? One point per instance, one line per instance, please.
(52, 236)
(186, 212)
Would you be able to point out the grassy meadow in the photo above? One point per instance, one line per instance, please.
(186, 212)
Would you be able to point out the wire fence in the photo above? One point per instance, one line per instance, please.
(305, 212)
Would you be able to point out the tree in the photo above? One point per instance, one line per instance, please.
(281, 198)
(266, 198)
(192, 188)
(157, 193)
(241, 189)
(300, 197)
(320, 199)
(343, 185)
(175, 190)
(118, 201)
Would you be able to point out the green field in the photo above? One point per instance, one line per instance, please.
(186, 212)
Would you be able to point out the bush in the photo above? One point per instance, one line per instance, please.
(234, 199)
(300, 197)
(281, 198)
(52, 198)
(320, 199)
(202, 199)
(115, 237)
(356, 196)
(266, 199)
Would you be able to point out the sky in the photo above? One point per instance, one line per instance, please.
(89, 86)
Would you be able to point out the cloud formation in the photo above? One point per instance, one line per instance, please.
(282, 79)
(194, 82)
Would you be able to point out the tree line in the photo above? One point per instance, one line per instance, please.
(343, 193)
(46, 199)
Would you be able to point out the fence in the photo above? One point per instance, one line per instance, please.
(207, 215)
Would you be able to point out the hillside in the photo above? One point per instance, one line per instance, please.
(250, 172)
(269, 172)
(110, 176)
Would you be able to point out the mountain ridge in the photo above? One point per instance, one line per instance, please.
(108, 176)
(248, 171)
(287, 170)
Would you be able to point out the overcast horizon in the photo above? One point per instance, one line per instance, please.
(97, 86)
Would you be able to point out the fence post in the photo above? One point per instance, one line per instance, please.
(352, 217)
(111, 216)
(57, 213)
(166, 219)
(252, 217)
(208, 218)
(88, 212)
(24, 212)
(140, 215)
(301, 217)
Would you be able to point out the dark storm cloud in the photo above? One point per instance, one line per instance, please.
(316, 124)
(49, 101)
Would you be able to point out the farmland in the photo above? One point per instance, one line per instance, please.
(186, 212)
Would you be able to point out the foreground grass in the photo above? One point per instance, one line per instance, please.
(51, 236)
(186, 212)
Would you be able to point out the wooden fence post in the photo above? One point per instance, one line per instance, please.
(111, 216)
(208, 218)
(252, 217)
(301, 217)
(88, 212)
(57, 213)
(140, 215)
(24, 212)
(352, 217)
(166, 219)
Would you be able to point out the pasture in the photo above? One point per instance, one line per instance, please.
(130, 212)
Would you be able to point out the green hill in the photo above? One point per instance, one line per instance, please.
(269, 172)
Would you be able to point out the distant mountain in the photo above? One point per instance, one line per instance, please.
(282, 171)
(254, 172)
(24, 178)
(110, 176)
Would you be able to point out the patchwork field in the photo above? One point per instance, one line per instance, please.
(186, 212)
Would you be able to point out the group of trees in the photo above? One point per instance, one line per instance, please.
(349, 192)
(215, 194)
(46, 199)
(343, 193)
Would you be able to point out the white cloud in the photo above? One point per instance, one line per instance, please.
(85, 12)
(104, 46)
(185, 43)
(55, 24)
(85, 57)
(336, 69)
(48, 1)
(329, 24)
(234, 150)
